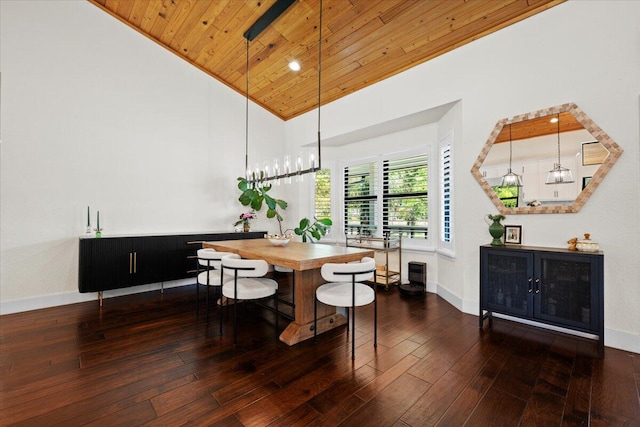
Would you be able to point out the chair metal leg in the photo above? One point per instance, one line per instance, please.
(235, 320)
(208, 304)
(197, 300)
(375, 309)
(275, 300)
(220, 309)
(353, 333)
(375, 320)
(235, 310)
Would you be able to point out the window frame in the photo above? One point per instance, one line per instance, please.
(388, 197)
(419, 244)
(374, 198)
(331, 234)
(445, 247)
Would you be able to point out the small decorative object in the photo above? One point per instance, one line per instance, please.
(278, 239)
(573, 244)
(98, 230)
(534, 203)
(245, 219)
(496, 229)
(513, 234)
(587, 245)
(88, 220)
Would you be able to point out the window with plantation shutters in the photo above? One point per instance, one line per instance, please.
(405, 197)
(322, 208)
(446, 188)
(360, 199)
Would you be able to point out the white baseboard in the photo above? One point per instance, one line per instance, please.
(450, 297)
(622, 340)
(35, 303)
(432, 287)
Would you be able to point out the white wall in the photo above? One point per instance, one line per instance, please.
(587, 52)
(95, 114)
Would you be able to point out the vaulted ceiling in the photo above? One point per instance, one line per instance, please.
(363, 41)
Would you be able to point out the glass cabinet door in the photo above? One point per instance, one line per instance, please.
(563, 294)
(508, 282)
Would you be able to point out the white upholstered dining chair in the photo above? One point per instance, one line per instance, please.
(346, 290)
(209, 275)
(244, 280)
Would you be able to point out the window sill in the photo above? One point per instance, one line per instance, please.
(412, 247)
(447, 253)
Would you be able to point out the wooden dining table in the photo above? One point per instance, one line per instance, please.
(306, 260)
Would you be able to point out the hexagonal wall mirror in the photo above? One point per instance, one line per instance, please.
(540, 148)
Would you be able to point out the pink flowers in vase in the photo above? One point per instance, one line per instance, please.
(245, 218)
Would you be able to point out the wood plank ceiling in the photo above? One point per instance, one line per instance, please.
(363, 41)
(539, 126)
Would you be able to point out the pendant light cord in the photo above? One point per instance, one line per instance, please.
(319, 81)
(509, 148)
(558, 140)
(246, 115)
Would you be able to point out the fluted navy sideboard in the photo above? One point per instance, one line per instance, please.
(122, 261)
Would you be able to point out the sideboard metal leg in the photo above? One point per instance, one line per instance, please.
(100, 297)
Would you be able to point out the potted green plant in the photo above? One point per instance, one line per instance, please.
(256, 196)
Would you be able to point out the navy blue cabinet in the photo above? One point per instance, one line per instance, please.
(118, 262)
(551, 286)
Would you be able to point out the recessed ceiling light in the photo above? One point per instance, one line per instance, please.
(554, 120)
(294, 66)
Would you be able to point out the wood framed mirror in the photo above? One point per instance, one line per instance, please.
(532, 145)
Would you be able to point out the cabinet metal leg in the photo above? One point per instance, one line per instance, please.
(483, 315)
(100, 298)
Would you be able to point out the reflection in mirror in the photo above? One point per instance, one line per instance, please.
(558, 154)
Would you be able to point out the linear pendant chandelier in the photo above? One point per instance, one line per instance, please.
(285, 170)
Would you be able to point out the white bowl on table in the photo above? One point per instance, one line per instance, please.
(278, 239)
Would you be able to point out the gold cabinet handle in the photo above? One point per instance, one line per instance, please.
(130, 263)
(135, 262)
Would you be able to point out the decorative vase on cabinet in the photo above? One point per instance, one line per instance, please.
(496, 229)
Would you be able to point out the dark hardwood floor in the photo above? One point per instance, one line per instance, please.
(145, 360)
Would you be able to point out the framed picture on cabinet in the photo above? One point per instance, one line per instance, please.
(513, 234)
